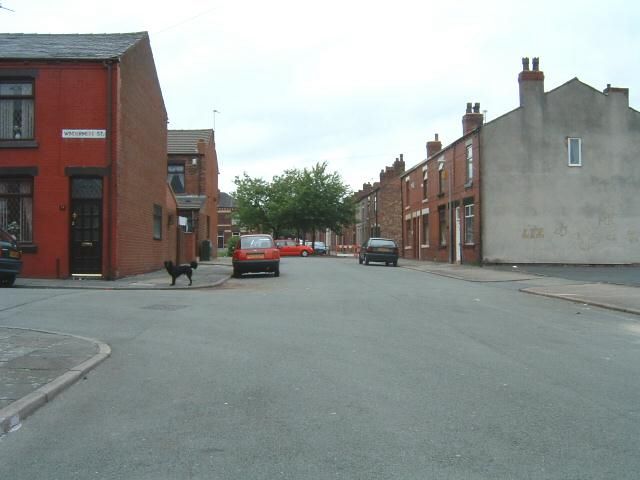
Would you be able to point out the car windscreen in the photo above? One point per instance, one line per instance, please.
(256, 242)
(382, 243)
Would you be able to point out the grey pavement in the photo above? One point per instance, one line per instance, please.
(35, 366)
(208, 274)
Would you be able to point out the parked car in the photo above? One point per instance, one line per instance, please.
(379, 250)
(291, 248)
(319, 248)
(10, 259)
(256, 253)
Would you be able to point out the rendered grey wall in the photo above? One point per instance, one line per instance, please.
(537, 209)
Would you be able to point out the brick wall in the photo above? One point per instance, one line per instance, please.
(67, 96)
(441, 199)
(390, 201)
(140, 169)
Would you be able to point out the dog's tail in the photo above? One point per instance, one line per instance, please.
(194, 265)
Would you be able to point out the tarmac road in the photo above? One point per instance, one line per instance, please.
(346, 381)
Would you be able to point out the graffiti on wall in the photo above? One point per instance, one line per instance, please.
(532, 232)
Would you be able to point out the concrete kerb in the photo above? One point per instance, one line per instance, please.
(12, 415)
(61, 286)
(583, 301)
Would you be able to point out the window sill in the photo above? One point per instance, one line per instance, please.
(28, 247)
(425, 200)
(18, 144)
(469, 245)
(469, 184)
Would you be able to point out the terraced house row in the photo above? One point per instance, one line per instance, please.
(91, 181)
(555, 180)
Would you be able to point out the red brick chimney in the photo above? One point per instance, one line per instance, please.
(433, 146)
(531, 82)
(618, 94)
(472, 119)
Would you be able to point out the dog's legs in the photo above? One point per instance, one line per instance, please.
(173, 280)
(189, 276)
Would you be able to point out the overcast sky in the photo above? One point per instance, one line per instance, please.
(353, 83)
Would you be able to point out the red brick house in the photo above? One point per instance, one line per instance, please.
(192, 173)
(441, 196)
(227, 226)
(82, 135)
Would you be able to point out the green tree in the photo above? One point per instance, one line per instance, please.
(302, 200)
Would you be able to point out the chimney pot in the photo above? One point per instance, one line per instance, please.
(468, 107)
(525, 64)
(436, 137)
(536, 64)
(476, 108)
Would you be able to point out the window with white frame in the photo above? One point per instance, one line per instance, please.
(575, 152)
(16, 207)
(441, 177)
(175, 177)
(406, 189)
(16, 110)
(442, 225)
(468, 224)
(425, 183)
(157, 222)
(469, 163)
(425, 229)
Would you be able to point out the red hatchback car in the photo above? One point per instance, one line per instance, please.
(291, 248)
(256, 253)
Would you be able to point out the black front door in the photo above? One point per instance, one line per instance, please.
(86, 226)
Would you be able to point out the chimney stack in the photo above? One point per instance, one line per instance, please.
(433, 146)
(617, 94)
(531, 83)
(472, 119)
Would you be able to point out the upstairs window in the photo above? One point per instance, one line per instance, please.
(575, 152)
(425, 184)
(407, 195)
(469, 163)
(16, 110)
(175, 178)
(441, 177)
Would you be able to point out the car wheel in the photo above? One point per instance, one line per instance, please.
(236, 273)
(359, 259)
(395, 263)
(304, 253)
(386, 264)
(366, 260)
(276, 272)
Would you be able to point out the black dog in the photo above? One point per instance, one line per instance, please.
(176, 270)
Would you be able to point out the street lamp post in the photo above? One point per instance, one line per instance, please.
(214, 119)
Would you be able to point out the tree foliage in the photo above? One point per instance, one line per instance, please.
(298, 200)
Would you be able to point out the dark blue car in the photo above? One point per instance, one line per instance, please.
(10, 259)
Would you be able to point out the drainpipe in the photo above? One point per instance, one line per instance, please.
(404, 222)
(478, 200)
(111, 174)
